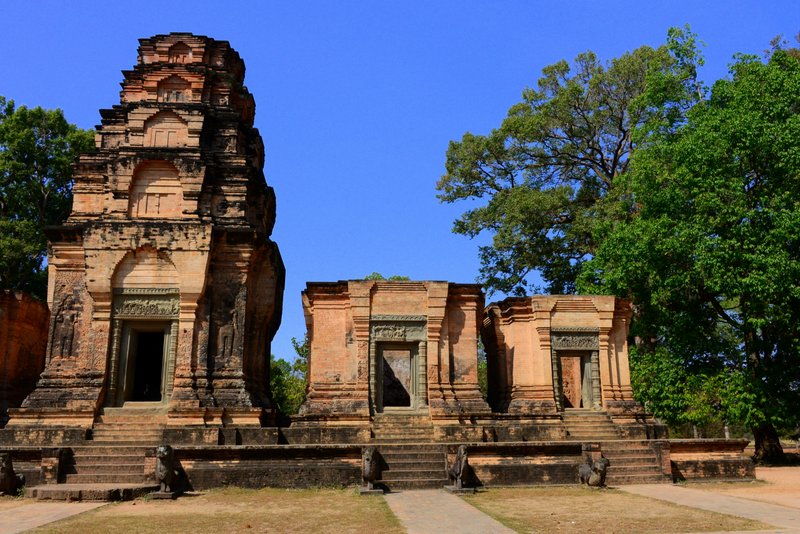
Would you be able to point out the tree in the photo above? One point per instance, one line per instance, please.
(708, 248)
(288, 381)
(555, 156)
(394, 278)
(37, 150)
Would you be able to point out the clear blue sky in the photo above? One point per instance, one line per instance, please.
(356, 101)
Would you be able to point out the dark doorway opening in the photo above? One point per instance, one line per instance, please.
(397, 376)
(148, 363)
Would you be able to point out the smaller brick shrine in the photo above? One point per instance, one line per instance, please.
(551, 353)
(392, 348)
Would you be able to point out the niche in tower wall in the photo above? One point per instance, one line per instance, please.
(227, 325)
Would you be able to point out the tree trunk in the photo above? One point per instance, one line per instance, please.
(768, 445)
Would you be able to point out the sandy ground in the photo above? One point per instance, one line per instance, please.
(777, 485)
(6, 502)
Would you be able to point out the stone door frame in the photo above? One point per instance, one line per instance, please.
(132, 307)
(408, 330)
(380, 386)
(575, 341)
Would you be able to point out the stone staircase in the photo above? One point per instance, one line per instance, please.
(110, 466)
(402, 428)
(413, 466)
(632, 462)
(411, 459)
(589, 425)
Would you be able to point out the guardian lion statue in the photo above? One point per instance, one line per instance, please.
(593, 474)
(166, 474)
(370, 469)
(10, 482)
(458, 471)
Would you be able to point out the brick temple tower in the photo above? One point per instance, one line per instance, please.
(165, 289)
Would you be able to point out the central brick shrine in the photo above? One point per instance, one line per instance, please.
(164, 286)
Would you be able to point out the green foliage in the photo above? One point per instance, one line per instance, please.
(556, 156)
(483, 371)
(288, 381)
(394, 278)
(37, 150)
(709, 251)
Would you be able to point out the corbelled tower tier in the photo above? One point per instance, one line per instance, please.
(165, 287)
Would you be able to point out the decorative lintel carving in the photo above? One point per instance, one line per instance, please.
(137, 303)
(575, 340)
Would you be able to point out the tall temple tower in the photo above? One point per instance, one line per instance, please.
(165, 289)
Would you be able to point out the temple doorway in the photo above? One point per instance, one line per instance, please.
(576, 380)
(397, 362)
(142, 373)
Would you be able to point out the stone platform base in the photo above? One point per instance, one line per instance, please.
(88, 492)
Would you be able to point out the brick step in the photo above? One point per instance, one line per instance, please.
(418, 447)
(412, 474)
(632, 461)
(89, 492)
(419, 483)
(112, 459)
(127, 469)
(106, 478)
(105, 449)
(384, 441)
(634, 471)
(400, 433)
(413, 463)
(389, 457)
(128, 436)
(127, 442)
(594, 431)
(402, 428)
(590, 436)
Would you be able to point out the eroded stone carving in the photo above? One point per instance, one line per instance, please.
(370, 467)
(166, 474)
(390, 332)
(147, 307)
(593, 474)
(574, 341)
(64, 329)
(458, 470)
(10, 482)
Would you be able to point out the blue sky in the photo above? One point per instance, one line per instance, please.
(357, 100)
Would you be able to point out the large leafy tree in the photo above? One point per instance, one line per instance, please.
(538, 178)
(707, 244)
(288, 380)
(37, 150)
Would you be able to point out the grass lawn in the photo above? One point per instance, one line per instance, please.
(587, 510)
(239, 510)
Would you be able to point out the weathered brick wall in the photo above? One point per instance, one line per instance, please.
(23, 341)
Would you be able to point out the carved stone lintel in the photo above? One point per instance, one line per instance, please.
(574, 341)
(392, 331)
(146, 305)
